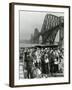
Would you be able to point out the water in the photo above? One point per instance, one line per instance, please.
(27, 45)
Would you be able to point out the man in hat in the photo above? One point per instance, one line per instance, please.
(29, 65)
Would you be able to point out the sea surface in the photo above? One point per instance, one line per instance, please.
(21, 44)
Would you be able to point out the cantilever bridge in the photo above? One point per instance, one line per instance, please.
(51, 25)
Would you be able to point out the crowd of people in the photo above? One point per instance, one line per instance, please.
(40, 62)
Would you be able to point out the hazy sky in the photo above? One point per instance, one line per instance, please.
(30, 20)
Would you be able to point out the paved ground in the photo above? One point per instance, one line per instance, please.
(23, 73)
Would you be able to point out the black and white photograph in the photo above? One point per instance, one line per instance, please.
(41, 50)
(39, 44)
